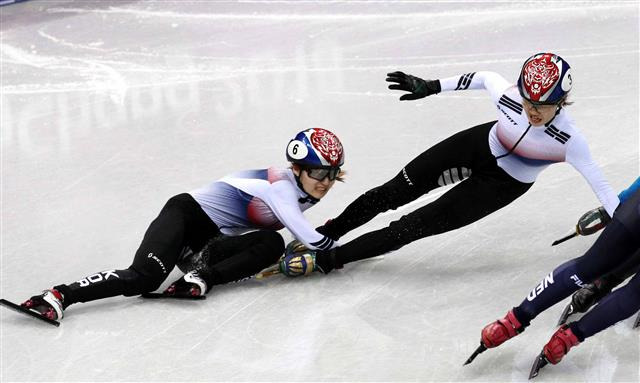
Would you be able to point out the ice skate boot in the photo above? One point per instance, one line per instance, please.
(48, 304)
(553, 352)
(559, 344)
(498, 332)
(191, 285)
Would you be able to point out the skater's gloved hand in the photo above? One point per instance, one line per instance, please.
(418, 87)
(586, 297)
(328, 229)
(295, 247)
(592, 221)
(298, 264)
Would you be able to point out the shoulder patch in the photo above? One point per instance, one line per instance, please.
(511, 104)
(557, 134)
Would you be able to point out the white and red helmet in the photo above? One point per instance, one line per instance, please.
(316, 148)
(545, 78)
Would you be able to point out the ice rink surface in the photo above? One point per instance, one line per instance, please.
(111, 107)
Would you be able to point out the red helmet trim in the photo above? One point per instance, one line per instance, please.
(540, 76)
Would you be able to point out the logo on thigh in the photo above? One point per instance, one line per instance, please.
(406, 176)
(164, 269)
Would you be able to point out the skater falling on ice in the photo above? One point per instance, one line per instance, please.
(492, 164)
(208, 224)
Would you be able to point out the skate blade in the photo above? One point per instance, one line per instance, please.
(22, 310)
(565, 238)
(268, 272)
(163, 296)
(636, 324)
(540, 362)
(482, 348)
(566, 313)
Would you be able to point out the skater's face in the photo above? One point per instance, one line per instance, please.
(315, 188)
(539, 114)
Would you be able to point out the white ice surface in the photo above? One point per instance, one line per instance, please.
(111, 107)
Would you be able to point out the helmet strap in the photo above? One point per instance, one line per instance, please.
(309, 197)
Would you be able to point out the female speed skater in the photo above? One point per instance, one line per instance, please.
(493, 163)
(619, 241)
(215, 216)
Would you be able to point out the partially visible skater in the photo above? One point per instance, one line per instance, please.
(619, 241)
(212, 222)
(591, 293)
(492, 164)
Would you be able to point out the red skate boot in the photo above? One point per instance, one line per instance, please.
(559, 344)
(48, 304)
(498, 332)
(553, 352)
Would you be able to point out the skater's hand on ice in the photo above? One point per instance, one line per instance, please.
(295, 247)
(298, 264)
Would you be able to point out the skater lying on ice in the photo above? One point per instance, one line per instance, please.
(204, 229)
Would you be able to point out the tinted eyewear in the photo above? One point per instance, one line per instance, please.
(321, 173)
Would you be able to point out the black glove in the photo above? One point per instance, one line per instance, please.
(328, 230)
(326, 260)
(418, 87)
